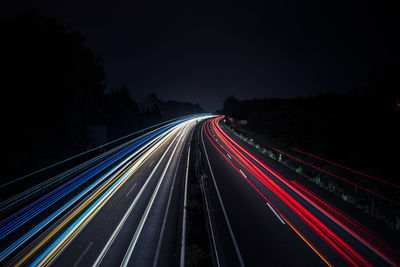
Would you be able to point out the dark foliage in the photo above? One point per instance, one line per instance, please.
(53, 87)
(118, 104)
(171, 108)
(360, 128)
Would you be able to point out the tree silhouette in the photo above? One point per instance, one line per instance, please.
(52, 87)
(360, 128)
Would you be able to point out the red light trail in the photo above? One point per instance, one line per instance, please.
(347, 168)
(340, 178)
(244, 158)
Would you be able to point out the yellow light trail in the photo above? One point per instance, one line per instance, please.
(89, 201)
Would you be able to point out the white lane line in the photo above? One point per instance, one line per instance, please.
(156, 255)
(83, 197)
(82, 255)
(128, 212)
(183, 238)
(242, 173)
(135, 238)
(69, 234)
(276, 214)
(222, 205)
(151, 163)
(229, 156)
(209, 221)
(130, 190)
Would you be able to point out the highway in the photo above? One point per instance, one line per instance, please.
(264, 218)
(123, 207)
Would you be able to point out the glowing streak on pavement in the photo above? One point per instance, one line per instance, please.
(330, 237)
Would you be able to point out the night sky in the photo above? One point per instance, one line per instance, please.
(203, 52)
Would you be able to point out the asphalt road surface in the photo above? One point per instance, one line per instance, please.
(123, 208)
(262, 218)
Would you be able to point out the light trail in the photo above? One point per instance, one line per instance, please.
(16, 220)
(347, 168)
(263, 196)
(358, 236)
(237, 250)
(376, 241)
(87, 193)
(90, 150)
(138, 231)
(57, 245)
(341, 179)
(330, 237)
(127, 213)
(50, 218)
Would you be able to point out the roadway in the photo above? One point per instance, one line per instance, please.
(124, 209)
(263, 218)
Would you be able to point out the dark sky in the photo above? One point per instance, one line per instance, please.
(203, 52)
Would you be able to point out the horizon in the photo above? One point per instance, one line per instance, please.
(205, 53)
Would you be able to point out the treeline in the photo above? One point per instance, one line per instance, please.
(360, 128)
(52, 88)
(123, 114)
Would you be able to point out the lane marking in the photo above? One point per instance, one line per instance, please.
(82, 255)
(151, 163)
(105, 188)
(308, 243)
(136, 140)
(276, 214)
(229, 156)
(288, 223)
(86, 202)
(75, 156)
(166, 215)
(128, 212)
(209, 222)
(222, 206)
(183, 238)
(209, 219)
(138, 231)
(242, 173)
(130, 190)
